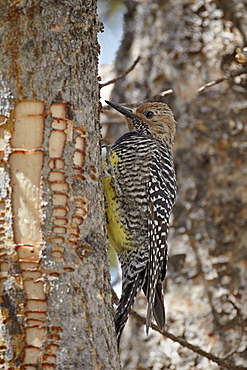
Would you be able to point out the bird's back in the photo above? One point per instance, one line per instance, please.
(135, 159)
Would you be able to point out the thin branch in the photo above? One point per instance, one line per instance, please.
(122, 75)
(163, 93)
(154, 98)
(224, 78)
(192, 347)
(136, 104)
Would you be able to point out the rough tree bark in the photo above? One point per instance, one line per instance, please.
(183, 45)
(56, 310)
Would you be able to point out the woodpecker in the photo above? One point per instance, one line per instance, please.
(139, 184)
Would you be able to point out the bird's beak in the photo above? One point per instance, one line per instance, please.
(121, 109)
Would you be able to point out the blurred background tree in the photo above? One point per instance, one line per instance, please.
(184, 45)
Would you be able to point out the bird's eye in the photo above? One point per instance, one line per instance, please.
(149, 114)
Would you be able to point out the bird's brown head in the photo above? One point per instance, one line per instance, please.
(153, 118)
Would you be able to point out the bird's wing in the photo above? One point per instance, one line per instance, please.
(161, 194)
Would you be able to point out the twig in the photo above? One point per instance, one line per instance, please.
(154, 98)
(184, 343)
(122, 75)
(224, 78)
(162, 94)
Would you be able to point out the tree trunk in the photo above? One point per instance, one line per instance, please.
(184, 45)
(56, 299)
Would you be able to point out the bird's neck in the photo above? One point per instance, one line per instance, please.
(162, 140)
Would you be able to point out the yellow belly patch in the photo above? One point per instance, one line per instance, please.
(115, 229)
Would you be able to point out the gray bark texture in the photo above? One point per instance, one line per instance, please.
(183, 45)
(56, 310)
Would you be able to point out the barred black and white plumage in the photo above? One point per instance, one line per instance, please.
(140, 190)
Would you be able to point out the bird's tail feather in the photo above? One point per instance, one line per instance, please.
(126, 303)
(155, 305)
(159, 309)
